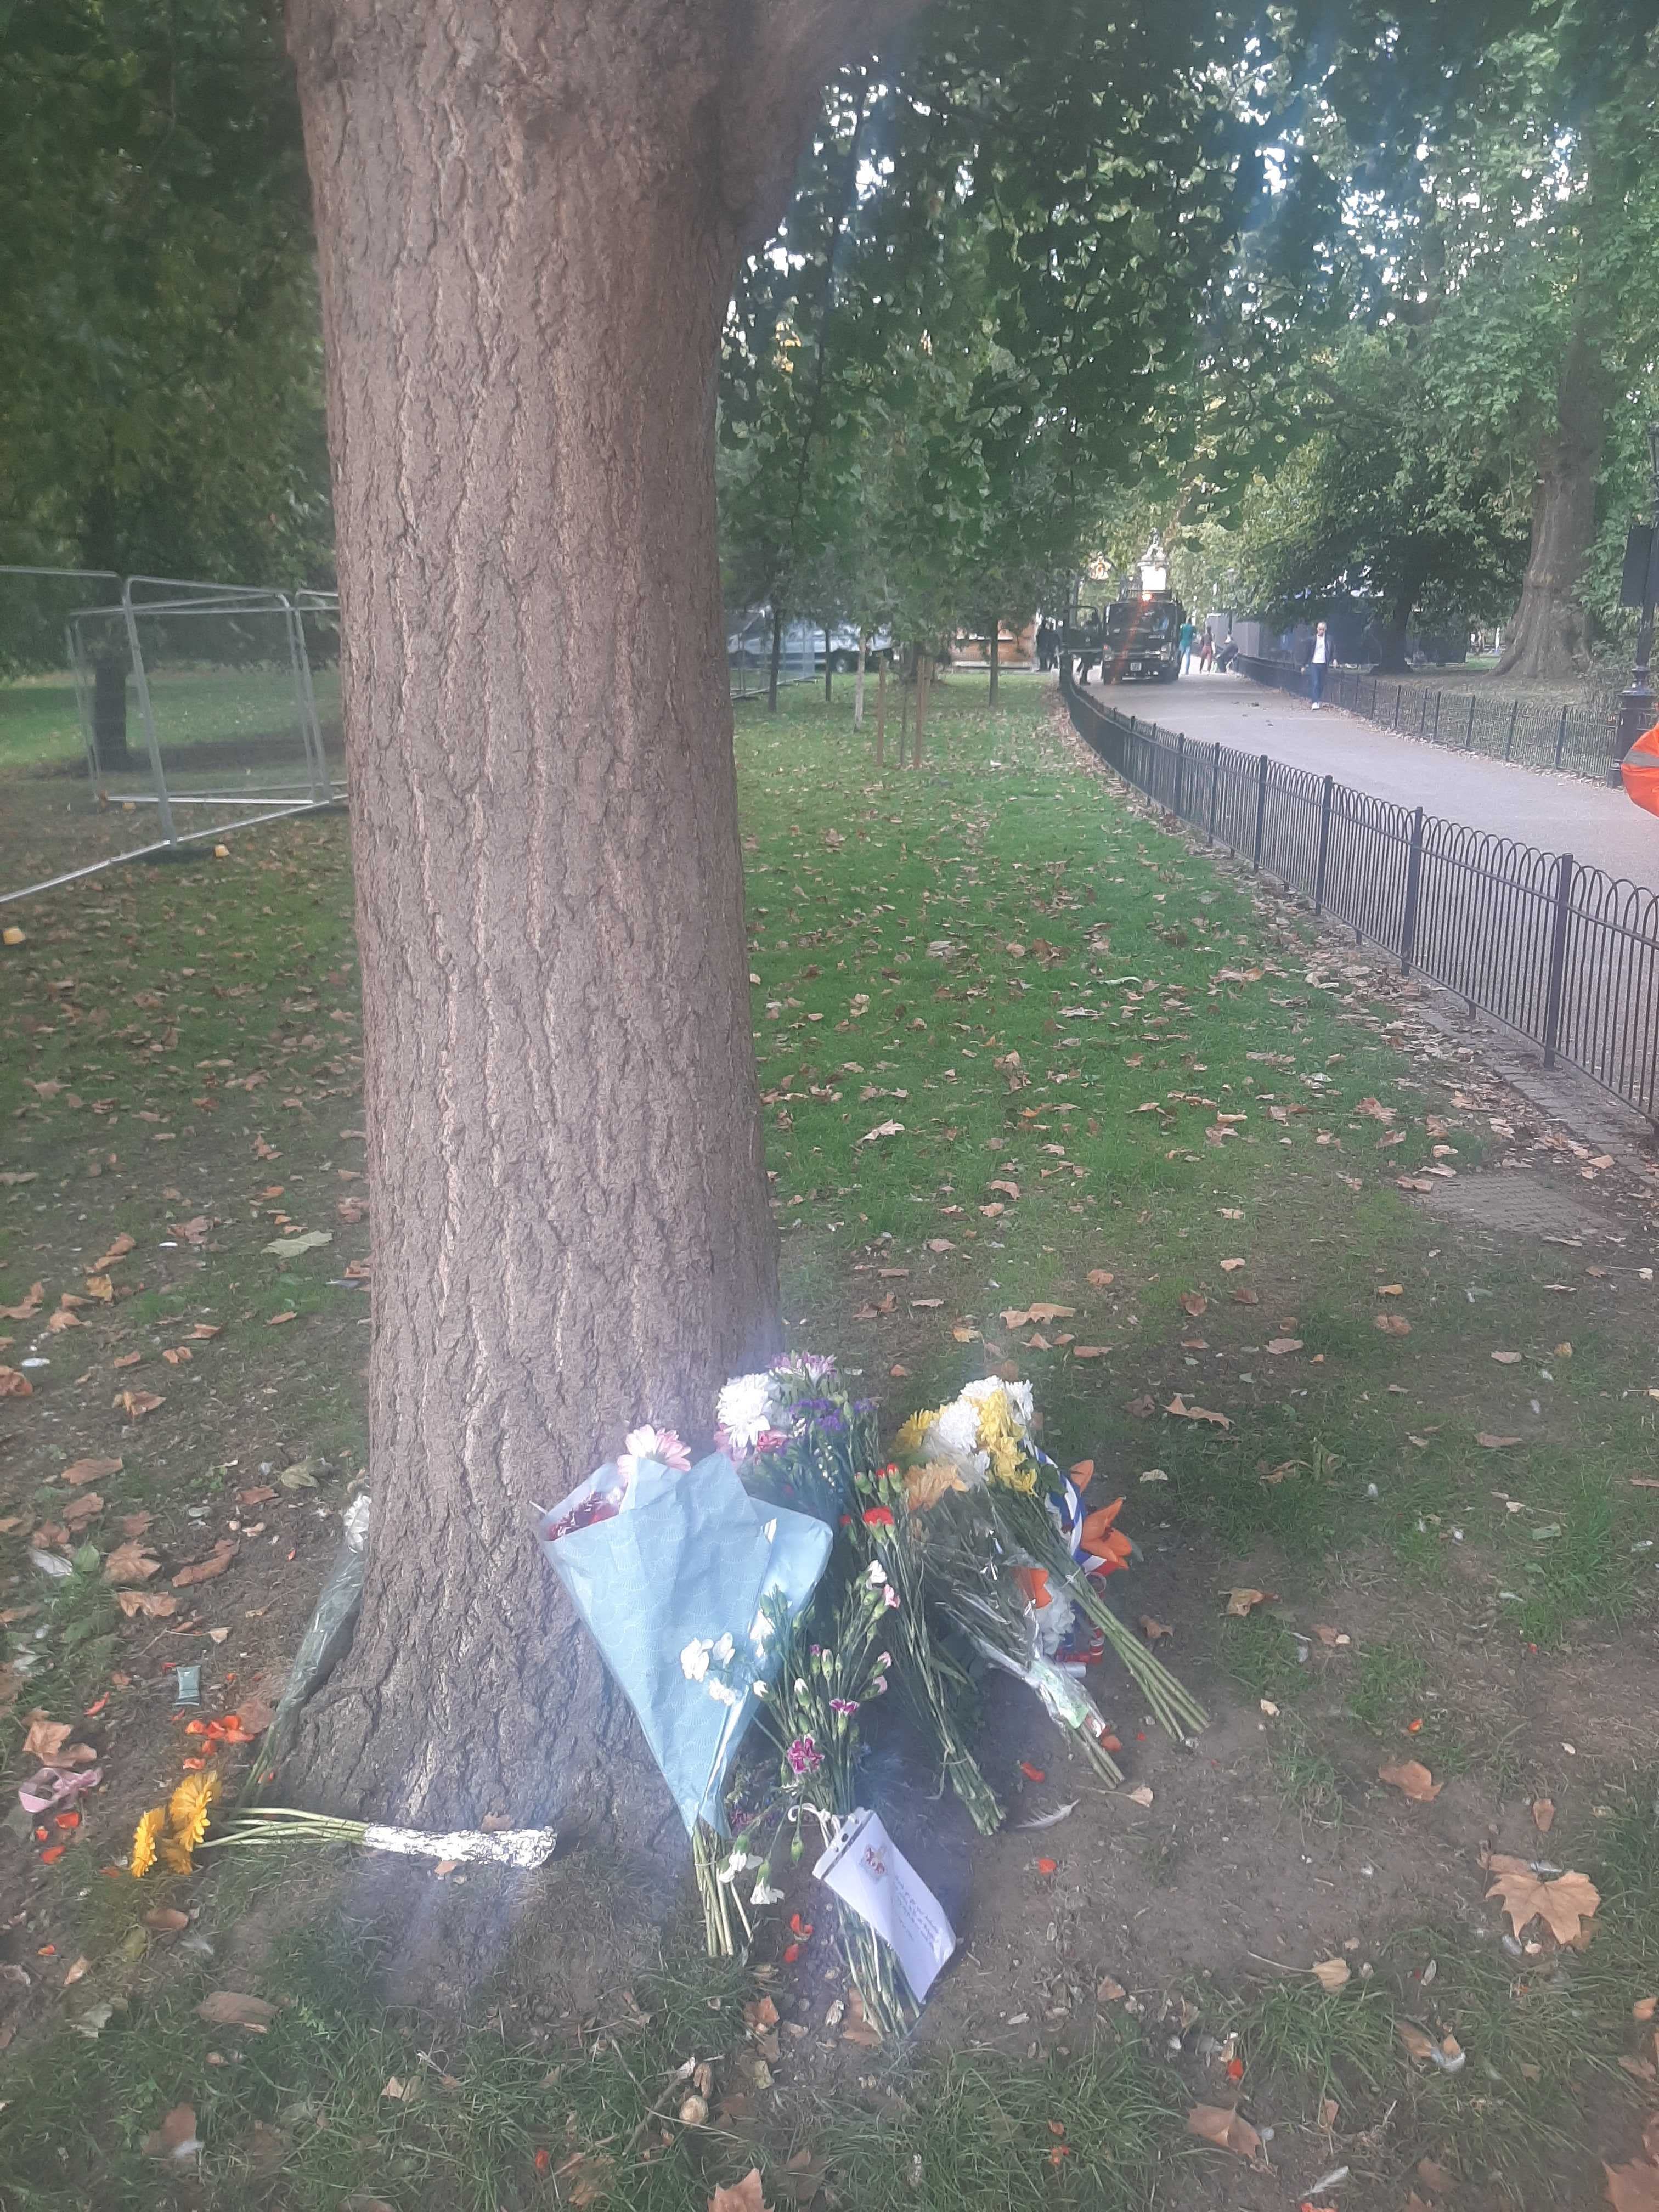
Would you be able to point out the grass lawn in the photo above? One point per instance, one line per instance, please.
(1359, 1335)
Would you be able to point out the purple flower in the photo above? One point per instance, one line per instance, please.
(846, 1707)
(804, 1756)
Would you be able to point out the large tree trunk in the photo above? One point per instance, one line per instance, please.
(1549, 635)
(529, 217)
(996, 630)
(858, 686)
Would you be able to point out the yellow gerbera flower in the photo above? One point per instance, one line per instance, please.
(909, 1436)
(187, 1810)
(175, 1855)
(144, 1840)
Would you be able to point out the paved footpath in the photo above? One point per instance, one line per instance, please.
(1599, 826)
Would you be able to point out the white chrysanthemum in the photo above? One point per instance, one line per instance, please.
(743, 1409)
(955, 1435)
(1021, 1404)
(694, 1660)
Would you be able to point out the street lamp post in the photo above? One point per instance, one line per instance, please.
(1637, 705)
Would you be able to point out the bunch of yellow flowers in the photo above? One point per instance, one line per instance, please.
(172, 1831)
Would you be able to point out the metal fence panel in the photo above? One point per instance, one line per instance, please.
(1564, 955)
(1580, 740)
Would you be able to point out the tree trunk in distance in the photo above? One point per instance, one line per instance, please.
(904, 711)
(529, 220)
(777, 655)
(996, 627)
(829, 667)
(858, 685)
(881, 705)
(924, 680)
(109, 713)
(1550, 633)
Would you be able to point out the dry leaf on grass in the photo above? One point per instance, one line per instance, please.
(1142, 1796)
(1642, 2009)
(1243, 1602)
(1392, 1324)
(1153, 1631)
(744, 2195)
(1421, 2046)
(91, 1470)
(1496, 1444)
(30, 1306)
(176, 2138)
(154, 1605)
(1179, 1407)
(1563, 1905)
(235, 2009)
(118, 1250)
(204, 1571)
(1332, 1974)
(167, 1920)
(1412, 1779)
(1222, 2125)
(1543, 1814)
(14, 1384)
(135, 1404)
(1278, 1346)
(1633, 2188)
(130, 1563)
(1101, 1277)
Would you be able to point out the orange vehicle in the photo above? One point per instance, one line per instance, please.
(1640, 770)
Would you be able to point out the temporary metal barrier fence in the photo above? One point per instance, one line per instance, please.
(749, 654)
(1579, 740)
(1563, 954)
(201, 701)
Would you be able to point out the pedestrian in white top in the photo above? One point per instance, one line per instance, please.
(1319, 654)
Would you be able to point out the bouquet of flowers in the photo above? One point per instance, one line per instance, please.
(797, 1437)
(682, 1579)
(828, 1672)
(984, 1438)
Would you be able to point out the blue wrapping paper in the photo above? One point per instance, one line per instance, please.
(688, 1559)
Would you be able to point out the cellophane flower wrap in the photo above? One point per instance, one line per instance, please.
(680, 1576)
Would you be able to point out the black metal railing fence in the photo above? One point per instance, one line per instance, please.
(1580, 740)
(1563, 954)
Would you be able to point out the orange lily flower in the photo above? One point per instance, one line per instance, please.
(1102, 1540)
(1034, 1581)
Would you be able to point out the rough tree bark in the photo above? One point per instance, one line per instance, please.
(1550, 634)
(529, 213)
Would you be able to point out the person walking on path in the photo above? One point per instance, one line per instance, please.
(1187, 633)
(1205, 654)
(1319, 654)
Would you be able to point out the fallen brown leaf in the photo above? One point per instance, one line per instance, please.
(744, 2195)
(1633, 2188)
(204, 1570)
(1243, 1602)
(1412, 1779)
(1543, 1814)
(235, 2009)
(1179, 1407)
(1153, 1631)
(14, 1384)
(1221, 2125)
(91, 1470)
(1563, 1905)
(1496, 1444)
(130, 1563)
(154, 1605)
(176, 2136)
(1392, 1324)
(1333, 1974)
(135, 1404)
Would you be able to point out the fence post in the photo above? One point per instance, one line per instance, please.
(1561, 735)
(1468, 741)
(1215, 780)
(1558, 957)
(1435, 737)
(1261, 808)
(1509, 742)
(1324, 843)
(1181, 764)
(1398, 694)
(1413, 885)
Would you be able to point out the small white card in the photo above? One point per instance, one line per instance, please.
(867, 1870)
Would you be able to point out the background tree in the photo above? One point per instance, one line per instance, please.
(160, 386)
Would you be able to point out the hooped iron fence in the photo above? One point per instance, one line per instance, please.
(1563, 954)
(1579, 740)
